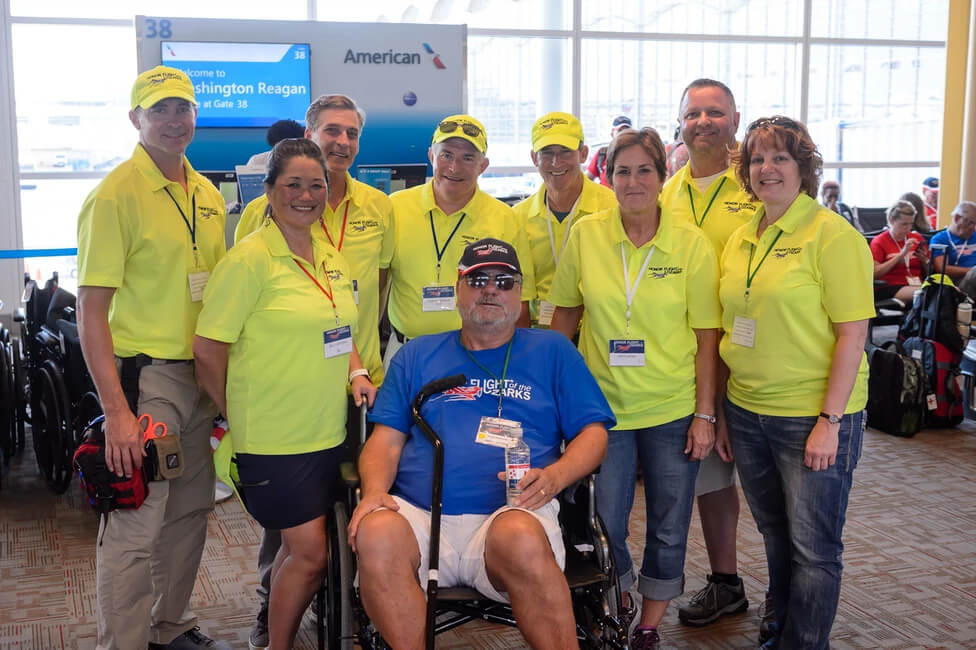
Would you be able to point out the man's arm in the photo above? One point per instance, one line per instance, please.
(954, 272)
(583, 454)
(123, 436)
(566, 320)
(211, 364)
(378, 462)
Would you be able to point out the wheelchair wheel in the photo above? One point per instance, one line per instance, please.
(339, 582)
(21, 397)
(51, 426)
(8, 437)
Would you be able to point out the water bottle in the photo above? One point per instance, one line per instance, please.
(964, 316)
(516, 466)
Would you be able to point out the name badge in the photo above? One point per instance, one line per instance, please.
(914, 281)
(498, 432)
(626, 352)
(438, 298)
(355, 291)
(546, 310)
(197, 282)
(338, 341)
(744, 331)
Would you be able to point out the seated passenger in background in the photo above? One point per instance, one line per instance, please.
(280, 130)
(930, 192)
(921, 223)
(900, 255)
(830, 198)
(959, 241)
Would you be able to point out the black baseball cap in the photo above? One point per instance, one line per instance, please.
(488, 252)
(622, 120)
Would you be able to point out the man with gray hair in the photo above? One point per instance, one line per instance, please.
(954, 249)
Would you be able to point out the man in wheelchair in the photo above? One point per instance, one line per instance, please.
(533, 380)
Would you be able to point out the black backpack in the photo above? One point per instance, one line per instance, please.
(896, 391)
(933, 316)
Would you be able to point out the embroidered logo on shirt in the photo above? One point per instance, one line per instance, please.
(661, 272)
(362, 224)
(786, 252)
(207, 213)
(461, 394)
(737, 206)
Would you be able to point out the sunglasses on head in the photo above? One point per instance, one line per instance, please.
(503, 281)
(450, 126)
(779, 120)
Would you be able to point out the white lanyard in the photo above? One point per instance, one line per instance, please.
(569, 222)
(632, 289)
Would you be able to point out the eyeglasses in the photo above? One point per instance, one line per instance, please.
(778, 120)
(450, 126)
(503, 281)
(552, 156)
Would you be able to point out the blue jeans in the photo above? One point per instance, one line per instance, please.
(800, 514)
(669, 491)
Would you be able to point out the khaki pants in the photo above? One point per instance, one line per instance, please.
(147, 562)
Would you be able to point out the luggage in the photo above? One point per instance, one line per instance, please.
(943, 400)
(933, 316)
(896, 391)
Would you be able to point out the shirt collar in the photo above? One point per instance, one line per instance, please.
(663, 239)
(799, 212)
(685, 177)
(144, 163)
(278, 247)
(427, 202)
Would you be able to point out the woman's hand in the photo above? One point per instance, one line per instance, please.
(821, 450)
(363, 389)
(701, 437)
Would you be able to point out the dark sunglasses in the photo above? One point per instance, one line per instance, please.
(503, 281)
(778, 120)
(450, 126)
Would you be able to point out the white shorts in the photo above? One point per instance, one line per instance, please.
(462, 550)
(714, 474)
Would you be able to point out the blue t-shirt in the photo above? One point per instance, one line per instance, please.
(548, 389)
(961, 253)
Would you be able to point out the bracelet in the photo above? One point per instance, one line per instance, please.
(707, 418)
(358, 372)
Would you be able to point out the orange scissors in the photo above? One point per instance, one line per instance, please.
(153, 429)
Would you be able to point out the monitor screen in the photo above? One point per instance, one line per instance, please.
(393, 178)
(244, 84)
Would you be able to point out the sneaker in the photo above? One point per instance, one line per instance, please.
(645, 638)
(191, 640)
(258, 640)
(714, 600)
(767, 621)
(630, 614)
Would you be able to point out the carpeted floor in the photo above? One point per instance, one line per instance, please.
(909, 580)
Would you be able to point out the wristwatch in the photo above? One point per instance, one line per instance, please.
(833, 419)
(706, 417)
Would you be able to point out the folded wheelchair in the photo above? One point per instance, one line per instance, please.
(590, 570)
(11, 384)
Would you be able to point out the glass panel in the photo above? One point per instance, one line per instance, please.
(645, 80)
(877, 103)
(878, 188)
(278, 10)
(759, 17)
(72, 111)
(498, 14)
(508, 96)
(881, 19)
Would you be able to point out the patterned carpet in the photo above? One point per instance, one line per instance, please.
(909, 581)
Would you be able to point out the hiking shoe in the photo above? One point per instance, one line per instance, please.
(191, 640)
(767, 621)
(714, 600)
(645, 638)
(258, 640)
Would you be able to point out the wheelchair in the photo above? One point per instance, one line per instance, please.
(11, 426)
(590, 569)
(59, 391)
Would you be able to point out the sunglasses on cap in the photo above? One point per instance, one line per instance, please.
(503, 281)
(450, 126)
(779, 120)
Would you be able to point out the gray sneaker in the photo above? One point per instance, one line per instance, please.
(192, 640)
(259, 633)
(714, 600)
(767, 621)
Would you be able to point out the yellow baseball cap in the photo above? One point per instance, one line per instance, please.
(557, 128)
(160, 83)
(464, 127)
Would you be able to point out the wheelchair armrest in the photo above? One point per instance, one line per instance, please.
(20, 315)
(349, 474)
(47, 338)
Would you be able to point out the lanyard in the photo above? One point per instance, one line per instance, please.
(342, 233)
(501, 381)
(327, 294)
(193, 228)
(440, 251)
(708, 207)
(569, 222)
(750, 274)
(632, 289)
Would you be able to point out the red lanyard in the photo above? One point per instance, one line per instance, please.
(342, 235)
(327, 294)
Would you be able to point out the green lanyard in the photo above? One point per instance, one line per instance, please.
(750, 274)
(501, 381)
(709, 206)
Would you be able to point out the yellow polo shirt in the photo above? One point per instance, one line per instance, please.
(545, 249)
(283, 395)
(414, 262)
(819, 271)
(731, 206)
(677, 294)
(132, 238)
(367, 245)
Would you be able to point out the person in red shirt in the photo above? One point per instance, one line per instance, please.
(900, 255)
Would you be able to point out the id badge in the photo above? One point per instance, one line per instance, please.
(355, 291)
(498, 432)
(626, 352)
(338, 341)
(198, 282)
(438, 298)
(744, 331)
(914, 281)
(546, 310)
